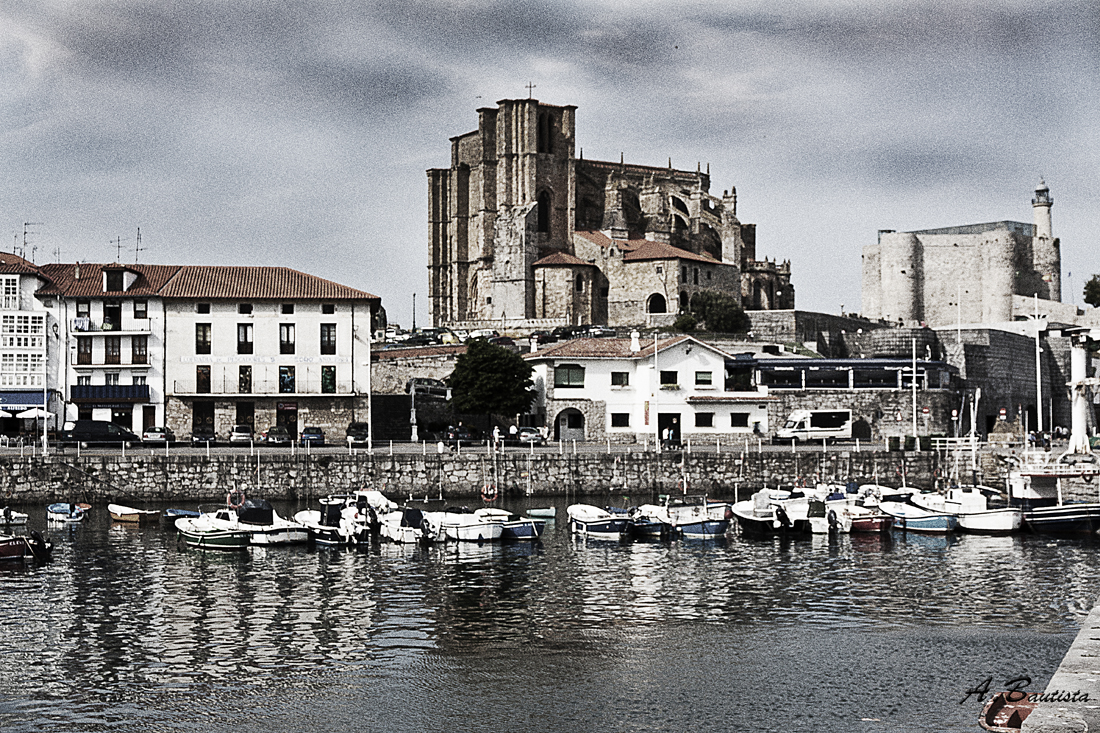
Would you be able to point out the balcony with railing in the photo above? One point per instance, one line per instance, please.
(110, 327)
(79, 393)
(232, 388)
(83, 360)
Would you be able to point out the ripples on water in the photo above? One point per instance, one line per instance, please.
(126, 630)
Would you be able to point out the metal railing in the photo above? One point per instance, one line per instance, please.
(87, 325)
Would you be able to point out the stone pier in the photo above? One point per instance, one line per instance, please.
(1063, 706)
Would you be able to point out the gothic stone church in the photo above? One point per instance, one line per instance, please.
(525, 234)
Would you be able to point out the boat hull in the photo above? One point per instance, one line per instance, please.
(909, 518)
(11, 518)
(18, 548)
(613, 528)
(1065, 519)
(523, 529)
(875, 523)
(202, 535)
(705, 529)
(121, 513)
(993, 521)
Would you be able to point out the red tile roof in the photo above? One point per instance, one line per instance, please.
(14, 264)
(612, 348)
(65, 281)
(637, 250)
(561, 259)
(196, 281)
(256, 283)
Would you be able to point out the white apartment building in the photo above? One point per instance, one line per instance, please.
(632, 390)
(265, 346)
(26, 359)
(209, 346)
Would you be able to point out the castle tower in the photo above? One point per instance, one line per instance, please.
(1045, 249)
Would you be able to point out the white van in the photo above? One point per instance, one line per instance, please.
(816, 425)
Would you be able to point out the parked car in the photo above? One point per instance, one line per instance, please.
(158, 435)
(600, 332)
(241, 434)
(278, 435)
(98, 432)
(311, 436)
(502, 341)
(530, 436)
(426, 387)
(543, 337)
(204, 434)
(358, 433)
(462, 435)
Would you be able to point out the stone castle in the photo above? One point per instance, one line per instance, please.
(979, 273)
(524, 233)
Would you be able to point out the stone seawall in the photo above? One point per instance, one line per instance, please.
(195, 478)
(192, 479)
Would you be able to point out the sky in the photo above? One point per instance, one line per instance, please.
(298, 133)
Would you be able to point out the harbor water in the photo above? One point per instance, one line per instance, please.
(127, 629)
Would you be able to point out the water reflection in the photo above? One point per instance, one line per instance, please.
(127, 624)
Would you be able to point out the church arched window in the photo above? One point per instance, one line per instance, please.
(545, 134)
(656, 304)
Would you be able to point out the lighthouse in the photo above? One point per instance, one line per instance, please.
(1047, 257)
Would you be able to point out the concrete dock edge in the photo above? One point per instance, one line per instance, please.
(1063, 708)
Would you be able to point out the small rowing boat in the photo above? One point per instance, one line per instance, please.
(121, 513)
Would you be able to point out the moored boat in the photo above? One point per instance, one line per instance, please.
(760, 516)
(202, 532)
(695, 517)
(409, 525)
(121, 513)
(1006, 712)
(912, 518)
(971, 506)
(543, 512)
(11, 518)
(592, 521)
(334, 524)
(63, 512)
(865, 520)
(171, 515)
(267, 527)
(513, 526)
(1036, 486)
(459, 523)
(25, 546)
(649, 522)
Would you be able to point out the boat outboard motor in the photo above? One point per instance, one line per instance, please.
(782, 518)
(330, 513)
(833, 521)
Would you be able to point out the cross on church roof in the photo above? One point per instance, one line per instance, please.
(530, 86)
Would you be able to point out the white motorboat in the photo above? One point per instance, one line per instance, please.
(971, 506)
(11, 518)
(916, 519)
(459, 523)
(409, 525)
(591, 521)
(267, 527)
(336, 523)
(206, 533)
(513, 526)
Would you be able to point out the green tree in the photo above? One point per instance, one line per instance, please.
(491, 380)
(721, 312)
(1092, 291)
(685, 323)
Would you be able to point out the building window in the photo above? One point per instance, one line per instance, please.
(620, 379)
(620, 419)
(139, 349)
(141, 310)
(703, 379)
(684, 274)
(244, 308)
(84, 379)
(670, 378)
(286, 379)
(112, 350)
(244, 338)
(328, 308)
(660, 269)
(202, 307)
(328, 379)
(704, 419)
(244, 379)
(328, 338)
(202, 338)
(580, 283)
(695, 276)
(286, 338)
(543, 216)
(110, 378)
(83, 309)
(11, 292)
(114, 281)
(709, 273)
(202, 379)
(137, 379)
(739, 419)
(83, 350)
(288, 309)
(568, 375)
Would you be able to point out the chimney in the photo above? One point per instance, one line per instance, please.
(76, 271)
(635, 342)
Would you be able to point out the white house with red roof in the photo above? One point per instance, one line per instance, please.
(635, 390)
(210, 347)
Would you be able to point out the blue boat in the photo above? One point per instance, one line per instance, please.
(64, 512)
(171, 515)
(694, 517)
(591, 521)
(513, 526)
(912, 518)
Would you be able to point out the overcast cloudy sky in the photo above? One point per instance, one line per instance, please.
(298, 133)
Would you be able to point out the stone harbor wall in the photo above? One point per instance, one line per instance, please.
(191, 479)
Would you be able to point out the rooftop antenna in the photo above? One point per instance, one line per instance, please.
(26, 231)
(137, 246)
